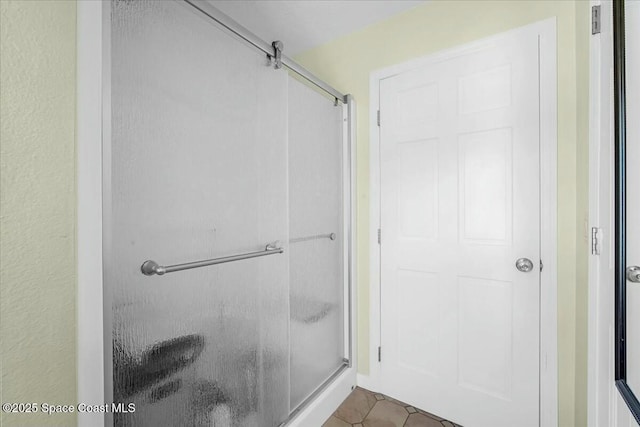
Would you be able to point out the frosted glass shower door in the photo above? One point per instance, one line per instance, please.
(316, 245)
(196, 169)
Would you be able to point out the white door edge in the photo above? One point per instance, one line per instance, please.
(546, 31)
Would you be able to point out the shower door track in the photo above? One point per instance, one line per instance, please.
(315, 393)
(267, 48)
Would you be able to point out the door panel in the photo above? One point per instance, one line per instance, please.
(316, 265)
(187, 181)
(460, 204)
(485, 187)
(418, 189)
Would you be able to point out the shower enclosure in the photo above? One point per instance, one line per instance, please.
(227, 223)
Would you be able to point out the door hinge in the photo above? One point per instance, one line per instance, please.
(379, 354)
(541, 266)
(595, 243)
(378, 118)
(379, 236)
(595, 19)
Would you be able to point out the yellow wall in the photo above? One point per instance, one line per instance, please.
(37, 135)
(347, 62)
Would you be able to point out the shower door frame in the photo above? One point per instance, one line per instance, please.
(94, 323)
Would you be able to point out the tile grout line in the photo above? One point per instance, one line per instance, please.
(370, 409)
(396, 402)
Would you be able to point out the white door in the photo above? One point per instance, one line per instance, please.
(460, 203)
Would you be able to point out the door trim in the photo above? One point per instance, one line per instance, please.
(91, 385)
(546, 31)
(606, 407)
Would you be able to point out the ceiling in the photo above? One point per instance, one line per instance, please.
(304, 24)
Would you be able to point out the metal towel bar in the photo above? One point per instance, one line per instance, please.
(331, 236)
(149, 267)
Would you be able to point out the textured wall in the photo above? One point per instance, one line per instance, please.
(583, 34)
(347, 62)
(37, 70)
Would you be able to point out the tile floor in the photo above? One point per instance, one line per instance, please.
(364, 408)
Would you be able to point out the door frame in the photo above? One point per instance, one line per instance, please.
(92, 74)
(602, 400)
(606, 407)
(546, 31)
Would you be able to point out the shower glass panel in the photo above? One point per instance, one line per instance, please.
(196, 168)
(316, 252)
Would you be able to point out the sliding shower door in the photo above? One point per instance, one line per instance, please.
(214, 157)
(197, 169)
(316, 249)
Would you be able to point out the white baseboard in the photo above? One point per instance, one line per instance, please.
(366, 381)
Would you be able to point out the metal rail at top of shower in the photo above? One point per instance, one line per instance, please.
(242, 32)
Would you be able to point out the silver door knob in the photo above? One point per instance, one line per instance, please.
(524, 264)
(633, 274)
